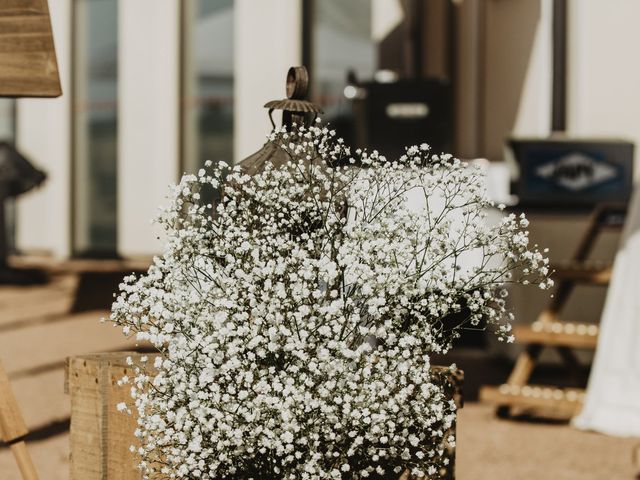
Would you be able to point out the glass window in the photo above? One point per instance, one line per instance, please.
(95, 127)
(207, 82)
(342, 44)
(368, 56)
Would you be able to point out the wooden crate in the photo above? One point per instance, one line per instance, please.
(101, 436)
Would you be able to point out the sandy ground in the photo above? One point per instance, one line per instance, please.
(37, 333)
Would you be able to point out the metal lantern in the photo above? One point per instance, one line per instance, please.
(295, 109)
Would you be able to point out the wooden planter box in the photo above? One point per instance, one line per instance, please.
(101, 436)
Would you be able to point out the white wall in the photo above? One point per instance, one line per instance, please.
(148, 118)
(604, 70)
(43, 135)
(534, 109)
(268, 41)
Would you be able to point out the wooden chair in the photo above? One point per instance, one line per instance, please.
(550, 331)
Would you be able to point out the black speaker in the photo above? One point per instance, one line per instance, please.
(392, 116)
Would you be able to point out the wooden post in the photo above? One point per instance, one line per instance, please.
(13, 429)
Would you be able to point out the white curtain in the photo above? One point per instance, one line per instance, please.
(612, 403)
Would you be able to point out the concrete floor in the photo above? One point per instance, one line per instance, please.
(37, 333)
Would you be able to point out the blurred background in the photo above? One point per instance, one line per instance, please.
(153, 88)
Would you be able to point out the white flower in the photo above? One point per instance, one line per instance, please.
(296, 317)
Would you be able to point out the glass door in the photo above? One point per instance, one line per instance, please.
(95, 128)
(207, 82)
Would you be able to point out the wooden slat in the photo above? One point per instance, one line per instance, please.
(28, 66)
(121, 463)
(556, 335)
(86, 421)
(12, 424)
(566, 401)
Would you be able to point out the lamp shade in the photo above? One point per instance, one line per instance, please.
(17, 174)
(28, 66)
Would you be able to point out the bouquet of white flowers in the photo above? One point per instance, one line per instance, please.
(296, 317)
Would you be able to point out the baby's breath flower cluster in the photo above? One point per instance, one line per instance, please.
(296, 317)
